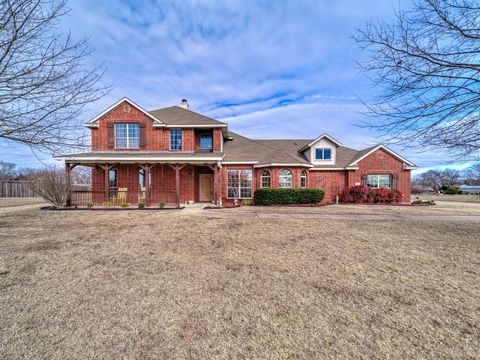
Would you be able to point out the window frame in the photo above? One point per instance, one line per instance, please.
(303, 178)
(210, 135)
(172, 131)
(280, 176)
(323, 149)
(263, 176)
(128, 138)
(239, 187)
(377, 176)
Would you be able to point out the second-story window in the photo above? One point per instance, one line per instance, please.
(127, 136)
(206, 141)
(323, 154)
(176, 139)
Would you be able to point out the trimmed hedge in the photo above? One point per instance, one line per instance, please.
(288, 196)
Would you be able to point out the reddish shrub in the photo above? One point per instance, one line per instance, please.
(370, 196)
(359, 194)
(395, 196)
(344, 196)
(363, 194)
(381, 195)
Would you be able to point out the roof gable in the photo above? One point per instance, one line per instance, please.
(367, 152)
(324, 135)
(94, 122)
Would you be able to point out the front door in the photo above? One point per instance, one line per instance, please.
(206, 187)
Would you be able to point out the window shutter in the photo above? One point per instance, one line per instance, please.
(110, 135)
(364, 180)
(394, 179)
(142, 136)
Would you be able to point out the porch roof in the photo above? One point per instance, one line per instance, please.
(141, 156)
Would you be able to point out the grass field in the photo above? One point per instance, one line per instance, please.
(165, 285)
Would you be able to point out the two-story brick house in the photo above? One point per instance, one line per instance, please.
(174, 155)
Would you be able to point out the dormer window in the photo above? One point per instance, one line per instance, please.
(127, 136)
(323, 154)
(176, 139)
(206, 141)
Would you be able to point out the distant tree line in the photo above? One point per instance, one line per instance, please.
(446, 180)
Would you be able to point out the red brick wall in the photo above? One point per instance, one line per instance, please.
(125, 113)
(217, 139)
(332, 182)
(382, 162)
(156, 139)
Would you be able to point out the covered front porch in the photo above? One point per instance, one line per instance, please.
(146, 184)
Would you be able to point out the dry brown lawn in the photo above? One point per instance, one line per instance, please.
(10, 202)
(468, 198)
(165, 285)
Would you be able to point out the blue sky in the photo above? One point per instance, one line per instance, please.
(270, 69)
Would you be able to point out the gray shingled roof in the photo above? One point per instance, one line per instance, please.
(280, 151)
(177, 115)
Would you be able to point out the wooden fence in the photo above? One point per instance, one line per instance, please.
(15, 189)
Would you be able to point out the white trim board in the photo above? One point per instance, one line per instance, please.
(278, 164)
(113, 159)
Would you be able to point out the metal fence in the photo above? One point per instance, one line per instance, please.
(15, 189)
(117, 198)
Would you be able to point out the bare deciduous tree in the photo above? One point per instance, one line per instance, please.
(472, 175)
(439, 179)
(81, 175)
(44, 85)
(427, 65)
(52, 184)
(7, 170)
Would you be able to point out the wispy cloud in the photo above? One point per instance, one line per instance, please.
(271, 69)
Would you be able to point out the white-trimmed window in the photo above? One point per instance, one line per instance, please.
(379, 180)
(265, 179)
(303, 179)
(176, 139)
(323, 154)
(127, 136)
(239, 184)
(285, 179)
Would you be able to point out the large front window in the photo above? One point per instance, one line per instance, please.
(127, 136)
(239, 184)
(176, 139)
(377, 181)
(206, 141)
(285, 179)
